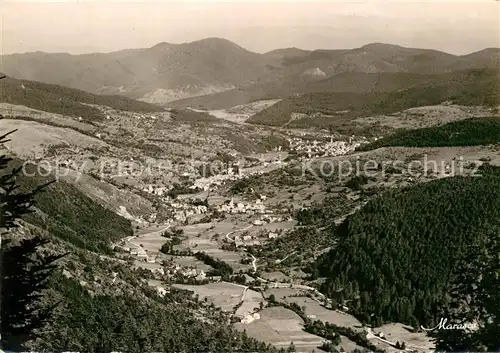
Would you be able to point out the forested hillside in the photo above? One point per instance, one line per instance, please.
(138, 320)
(398, 257)
(64, 100)
(469, 132)
(66, 213)
(474, 87)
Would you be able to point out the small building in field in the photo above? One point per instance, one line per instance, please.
(142, 254)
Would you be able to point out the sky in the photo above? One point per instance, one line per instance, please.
(457, 27)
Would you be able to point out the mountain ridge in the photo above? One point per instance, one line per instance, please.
(167, 72)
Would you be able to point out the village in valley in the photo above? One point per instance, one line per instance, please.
(210, 225)
(202, 235)
(212, 220)
(316, 191)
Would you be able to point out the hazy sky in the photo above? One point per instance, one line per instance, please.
(457, 27)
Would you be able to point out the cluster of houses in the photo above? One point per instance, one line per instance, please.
(156, 190)
(246, 240)
(139, 252)
(252, 208)
(240, 207)
(269, 218)
(203, 183)
(213, 181)
(250, 239)
(167, 268)
(142, 254)
(141, 116)
(182, 211)
(186, 272)
(316, 148)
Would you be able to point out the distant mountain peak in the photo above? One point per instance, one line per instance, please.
(215, 42)
(211, 42)
(381, 46)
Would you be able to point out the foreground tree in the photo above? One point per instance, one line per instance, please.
(474, 301)
(24, 269)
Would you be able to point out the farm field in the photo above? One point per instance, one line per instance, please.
(280, 327)
(318, 312)
(189, 261)
(223, 294)
(398, 332)
(252, 300)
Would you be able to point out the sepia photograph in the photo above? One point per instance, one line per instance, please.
(249, 176)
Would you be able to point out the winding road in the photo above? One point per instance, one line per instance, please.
(237, 230)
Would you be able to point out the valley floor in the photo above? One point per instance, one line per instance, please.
(230, 215)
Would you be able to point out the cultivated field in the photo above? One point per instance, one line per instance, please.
(252, 300)
(280, 327)
(150, 238)
(398, 332)
(189, 261)
(223, 294)
(315, 311)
